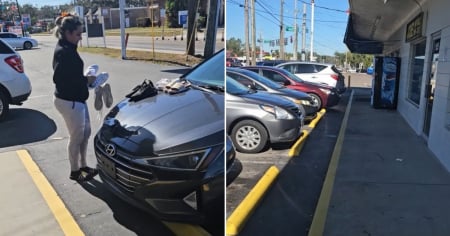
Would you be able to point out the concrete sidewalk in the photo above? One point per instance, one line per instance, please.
(387, 181)
(24, 209)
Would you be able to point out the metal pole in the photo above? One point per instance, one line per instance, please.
(152, 32)
(281, 32)
(122, 27)
(295, 30)
(246, 22)
(304, 33)
(260, 47)
(20, 17)
(312, 31)
(253, 34)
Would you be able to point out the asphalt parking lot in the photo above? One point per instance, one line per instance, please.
(293, 172)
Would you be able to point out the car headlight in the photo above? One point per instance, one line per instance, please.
(183, 161)
(278, 112)
(327, 91)
(299, 102)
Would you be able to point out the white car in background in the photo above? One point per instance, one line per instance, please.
(17, 41)
(315, 72)
(15, 87)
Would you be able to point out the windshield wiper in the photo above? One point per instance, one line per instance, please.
(207, 87)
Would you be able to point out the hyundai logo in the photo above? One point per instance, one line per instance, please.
(110, 149)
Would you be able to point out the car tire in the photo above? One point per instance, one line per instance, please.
(4, 105)
(27, 45)
(317, 99)
(249, 136)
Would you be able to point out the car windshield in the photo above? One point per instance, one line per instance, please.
(209, 72)
(236, 88)
(263, 80)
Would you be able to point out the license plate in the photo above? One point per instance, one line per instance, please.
(108, 166)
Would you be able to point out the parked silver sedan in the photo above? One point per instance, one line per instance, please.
(17, 41)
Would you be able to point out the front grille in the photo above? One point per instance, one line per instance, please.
(296, 111)
(128, 176)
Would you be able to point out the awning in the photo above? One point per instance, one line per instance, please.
(373, 23)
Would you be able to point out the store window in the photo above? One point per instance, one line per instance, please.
(417, 65)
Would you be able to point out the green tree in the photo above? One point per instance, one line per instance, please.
(235, 45)
(172, 8)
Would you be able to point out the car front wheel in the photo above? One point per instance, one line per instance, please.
(4, 105)
(316, 99)
(27, 45)
(249, 136)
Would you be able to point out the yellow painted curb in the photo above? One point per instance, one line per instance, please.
(65, 220)
(297, 147)
(320, 215)
(320, 114)
(246, 207)
(180, 229)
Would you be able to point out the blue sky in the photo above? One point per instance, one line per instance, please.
(40, 3)
(329, 25)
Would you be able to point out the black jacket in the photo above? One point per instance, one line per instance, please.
(68, 76)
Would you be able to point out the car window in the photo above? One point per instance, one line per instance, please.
(241, 79)
(210, 71)
(290, 67)
(5, 49)
(274, 76)
(319, 68)
(306, 68)
(235, 88)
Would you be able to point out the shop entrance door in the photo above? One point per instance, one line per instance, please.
(430, 85)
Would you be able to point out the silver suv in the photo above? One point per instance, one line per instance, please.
(15, 87)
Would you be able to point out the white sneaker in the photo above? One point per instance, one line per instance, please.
(101, 79)
(91, 70)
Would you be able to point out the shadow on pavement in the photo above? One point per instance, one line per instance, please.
(24, 126)
(125, 214)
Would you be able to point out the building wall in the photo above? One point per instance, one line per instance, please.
(437, 20)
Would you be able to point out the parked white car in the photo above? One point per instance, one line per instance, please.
(15, 87)
(315, 72)
(17, 41)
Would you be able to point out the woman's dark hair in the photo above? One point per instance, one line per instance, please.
(68, 23)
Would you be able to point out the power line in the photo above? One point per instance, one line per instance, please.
(326, 8)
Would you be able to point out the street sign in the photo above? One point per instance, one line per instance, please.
(267, 41)
(290, 28)
(182, 17)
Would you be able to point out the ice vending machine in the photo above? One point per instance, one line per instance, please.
(385, 82)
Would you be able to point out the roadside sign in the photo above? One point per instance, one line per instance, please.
(267, 41)
(290, 28)
(182, 17)
(162, 13)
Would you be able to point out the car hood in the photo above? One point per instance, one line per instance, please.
(166, 123)
(295, 94)
(267, 98)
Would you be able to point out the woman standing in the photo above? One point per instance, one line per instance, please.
(71, 93)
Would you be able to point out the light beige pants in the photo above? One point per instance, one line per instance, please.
(76, 116)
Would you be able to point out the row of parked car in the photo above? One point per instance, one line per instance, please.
(269, 104)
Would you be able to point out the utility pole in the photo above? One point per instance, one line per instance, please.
(260, 46)
(246, 22)
(253, 34)
(304, 33)
(122, 27)
(281, 32)
(295, 30)
(312, 31)
(211, 32)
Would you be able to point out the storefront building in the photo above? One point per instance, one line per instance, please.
(418, 32)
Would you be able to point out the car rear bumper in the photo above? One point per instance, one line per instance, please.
(19, 99)
(333, 99)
